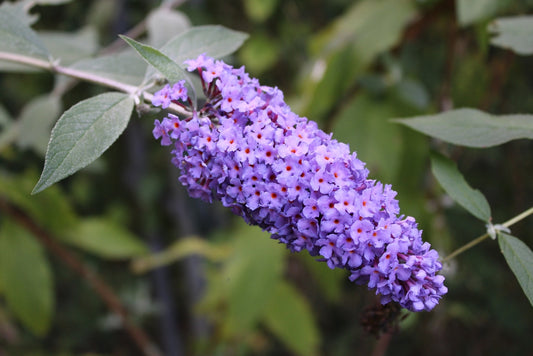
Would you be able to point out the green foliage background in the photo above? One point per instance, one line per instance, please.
(195, 279)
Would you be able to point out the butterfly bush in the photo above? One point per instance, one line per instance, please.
(246, 148)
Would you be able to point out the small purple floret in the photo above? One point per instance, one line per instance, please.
(279, 171)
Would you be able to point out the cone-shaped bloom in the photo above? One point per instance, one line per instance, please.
(246, 148)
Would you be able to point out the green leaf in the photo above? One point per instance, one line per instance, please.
(166, 66)
(51, 209)
(472, 11)
(260, 10)
(413, 93)
(26, 278)
(70, 47)
(106, 239)
(363, 124)
(20, 10)
(455, 185)
(82, 134)
(289, 317)
(330, 282)
(369, 27)
(520, 258)
(344, 49)
(126, 67)
(184, 247)
(35, 122)
(252, 273)
(513, 33)
(259, 53)
(16, 36)
(214, 41)
(164, 24)
(472, 128)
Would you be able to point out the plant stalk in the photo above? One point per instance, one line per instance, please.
(477, 240)
(89, 77)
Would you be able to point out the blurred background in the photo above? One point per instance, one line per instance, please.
(193, 279)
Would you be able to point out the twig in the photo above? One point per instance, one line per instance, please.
(89, 77)
(479, 239)
(382, 345)
(104, 291)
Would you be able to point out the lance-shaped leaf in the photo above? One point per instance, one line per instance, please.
(214, 41)
(163, 24)
(82, 134)
(252, 273)
(35, 122)
(106, 239)
(126, 67)
(166, 66)
(289, 317)
(72, 46)
(26, 278)
(16, 36)
(472, 11)
(455, 185)
(472, 128)
(520, 258)
(514, 33)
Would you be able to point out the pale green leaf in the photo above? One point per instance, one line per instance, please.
(51, 209)
(36, 121)
(472, 11)
(289, 316)
(330, 282)
(346, 47)
(82, 134)
(70, 47)
(473, 128)
(126, 67)
(166, 66)
(513, 33)
(215, 41)
(16, 36)
(26, 278)
(105, 239)
(259, 53)
(369, 27)
(184, 247)
(260, 10)
(520, 258)
(164, 24)
(251, 275)
(363, 124)
(458, 189)
(413, 93)
(20, 10)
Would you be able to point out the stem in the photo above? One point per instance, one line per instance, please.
(89, 77)
(519, 217)
(477, 240)
(465, 247)
(102, 289)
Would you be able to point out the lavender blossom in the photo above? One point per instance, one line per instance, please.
(246, 148)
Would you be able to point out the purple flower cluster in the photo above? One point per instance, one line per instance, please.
(246, 148)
